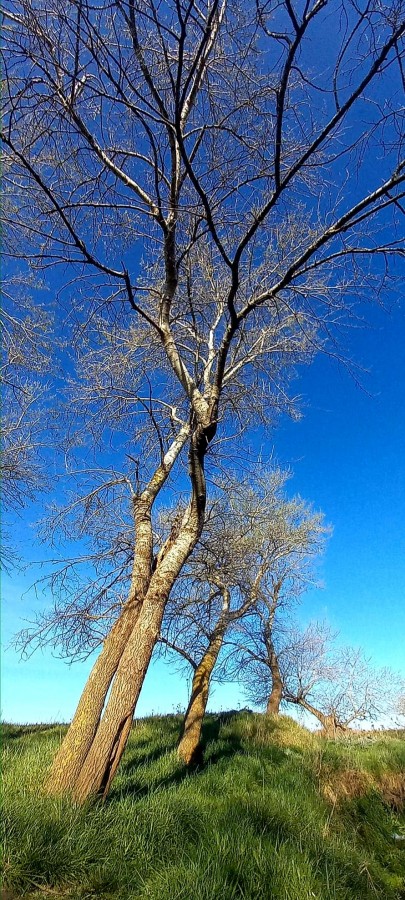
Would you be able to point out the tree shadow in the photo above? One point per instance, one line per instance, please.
(142, 759)
(231, 745)
(138, 789)
(14, 732)
(210, 734)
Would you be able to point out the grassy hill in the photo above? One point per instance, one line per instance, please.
(275, 813)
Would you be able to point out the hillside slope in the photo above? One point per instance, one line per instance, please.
(275, 813)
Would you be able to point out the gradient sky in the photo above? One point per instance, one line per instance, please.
(348, 458)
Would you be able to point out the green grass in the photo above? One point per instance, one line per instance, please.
(275, 812)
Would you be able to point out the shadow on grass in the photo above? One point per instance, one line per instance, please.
(138, 790)
(231, 743)
(211, 734)
(13, 732)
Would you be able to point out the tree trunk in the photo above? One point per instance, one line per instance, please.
(329, 722)
(332, 726)
(109, 742)
(78, 740)
(110, 739)
(116, 755)
(189, 746)
(273, 704)
(76, 745)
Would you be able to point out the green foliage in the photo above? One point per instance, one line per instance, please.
(275, 812)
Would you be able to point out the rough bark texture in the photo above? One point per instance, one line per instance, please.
(72, 754)
(110, 739)
(109, 742)
(77, 743)
(115, 756)
(189, 747)
(273, 704)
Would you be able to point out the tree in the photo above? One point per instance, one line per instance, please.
(261, 640)
(401, 705)
(252, 537)
(337, 685)
(178, 160)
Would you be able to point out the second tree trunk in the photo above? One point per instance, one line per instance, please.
(189, 747)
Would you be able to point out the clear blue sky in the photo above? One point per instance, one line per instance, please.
(348, 457)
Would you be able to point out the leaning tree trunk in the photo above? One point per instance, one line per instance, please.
(189, 746)
(273, 703)
(109, 742)
(329, 722)
(110, 739)
(77, 743)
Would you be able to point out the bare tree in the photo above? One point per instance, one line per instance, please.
(186, 162)
(337, 685)
(401, 705)
(262, 639)
(255, 542)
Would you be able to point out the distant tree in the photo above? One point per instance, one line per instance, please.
(256, 545)
(195, 168)
(337, 685)
(401, 705)
(262, 639)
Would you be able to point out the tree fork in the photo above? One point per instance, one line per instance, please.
(116, 755)
(76, 745)
(110, 739)
(112, 733)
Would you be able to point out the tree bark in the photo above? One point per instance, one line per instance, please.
(110, 739)
(112, 733)
(77, 743)
(273, 703)
(329, 722)
(189, 746)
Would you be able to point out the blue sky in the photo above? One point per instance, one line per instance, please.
(347, 454)
(348, 457)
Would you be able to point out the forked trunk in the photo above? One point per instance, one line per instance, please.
(273, 704)
(109, 742)
(71, 756)
(189, 746)
(116, 755)
(332, 726)
(329, 722)
(76, 745)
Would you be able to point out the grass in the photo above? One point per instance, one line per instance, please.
(275, 813)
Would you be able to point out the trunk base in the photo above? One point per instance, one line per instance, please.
(192, 755)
